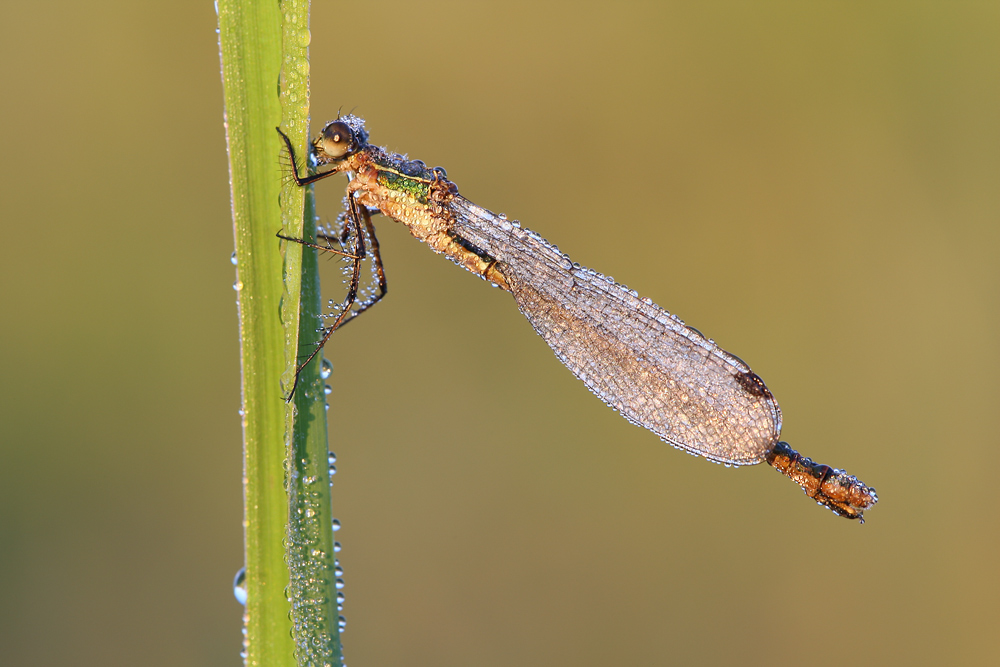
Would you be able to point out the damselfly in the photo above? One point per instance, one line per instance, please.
(644, 362)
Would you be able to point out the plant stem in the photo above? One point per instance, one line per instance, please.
(283, 442)
(309, 537)
(288, 516)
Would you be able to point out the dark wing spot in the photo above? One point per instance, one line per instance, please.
(753, 385)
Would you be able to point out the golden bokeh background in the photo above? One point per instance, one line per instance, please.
(814, 185)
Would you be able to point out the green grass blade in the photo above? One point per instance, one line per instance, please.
(285, 444)
(309, 539)
(311, 557)
(250, 47)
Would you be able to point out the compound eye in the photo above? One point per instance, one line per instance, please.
(338, 139)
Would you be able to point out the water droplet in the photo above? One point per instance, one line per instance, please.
(238, 285)
(333, 470)
(337, 547)
(240, 586)
(325, 368)
(338, 571)
(336, 525)
(310, 513)
(327, 389)
(342, 622)
(339, 584)
(233, 258)
(340, 598)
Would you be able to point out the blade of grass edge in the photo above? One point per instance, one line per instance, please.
(309, 539)
(310, 545)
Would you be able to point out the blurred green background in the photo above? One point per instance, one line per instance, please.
(814, 185)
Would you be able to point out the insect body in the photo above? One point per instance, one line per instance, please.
(646, 363)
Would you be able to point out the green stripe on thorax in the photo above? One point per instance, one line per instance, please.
(409, 177)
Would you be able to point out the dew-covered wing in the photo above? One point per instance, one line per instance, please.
(640, 359)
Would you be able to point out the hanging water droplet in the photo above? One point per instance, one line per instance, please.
(339, 584)
(336, 525)
(233, 258)
(240, 586)
(238, 285)
(327, 389)
(325, 368)
(340, 598)
(337, 547)
(342, 622)
(338, 571)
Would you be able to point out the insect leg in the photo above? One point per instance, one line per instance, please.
(383, 286)
(301, 180)
(324, 248)
(352, 290)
